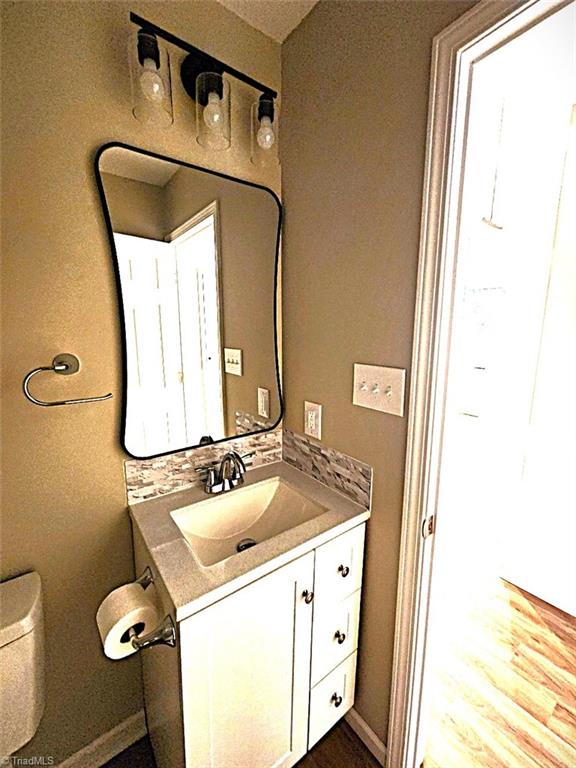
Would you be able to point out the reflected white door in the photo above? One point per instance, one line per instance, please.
(155, 417)
(199, 302)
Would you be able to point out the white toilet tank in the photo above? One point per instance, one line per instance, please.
(21, 661)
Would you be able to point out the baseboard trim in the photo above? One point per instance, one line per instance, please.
(366, 735)
(110, 744)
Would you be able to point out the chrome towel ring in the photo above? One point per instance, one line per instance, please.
(64, 364)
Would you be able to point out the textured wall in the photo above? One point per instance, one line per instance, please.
(65, 92)
(355, 79)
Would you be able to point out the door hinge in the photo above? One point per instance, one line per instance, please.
(428, 526)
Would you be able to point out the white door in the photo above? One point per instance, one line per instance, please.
(155, 417)
(200, 309)
(246, 674)
(486, 290)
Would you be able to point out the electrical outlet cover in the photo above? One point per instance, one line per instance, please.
(313, 420)
(264, 402)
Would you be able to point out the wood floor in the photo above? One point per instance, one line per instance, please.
(503, 693)
(340, 748)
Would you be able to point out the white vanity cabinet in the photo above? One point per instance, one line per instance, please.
(246, 672)
(266, 671)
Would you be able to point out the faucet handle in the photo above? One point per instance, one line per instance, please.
(209, 477)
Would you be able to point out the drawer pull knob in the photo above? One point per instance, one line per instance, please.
(343, 570)
(340, 636)
(308, 596)
(336, 700)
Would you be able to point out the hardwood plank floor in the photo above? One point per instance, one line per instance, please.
(340, 748)
(504, 685)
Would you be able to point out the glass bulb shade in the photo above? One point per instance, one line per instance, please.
(150, 80)
(213, 111)
(213, 114)
(264, 133)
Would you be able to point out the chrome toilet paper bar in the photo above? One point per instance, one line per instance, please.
(164, 634)
(64, 364)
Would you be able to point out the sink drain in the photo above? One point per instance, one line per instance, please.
(245, 544)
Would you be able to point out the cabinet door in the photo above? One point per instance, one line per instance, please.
(246, 674)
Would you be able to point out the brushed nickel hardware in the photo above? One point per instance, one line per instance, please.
(64, 364)
(308, 596)
(225, 476)
(340, 636)
(164, 634)
(336, 700)
(428, 526)
(343, 570)
(146, 579)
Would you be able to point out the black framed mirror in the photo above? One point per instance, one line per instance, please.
(196, 261)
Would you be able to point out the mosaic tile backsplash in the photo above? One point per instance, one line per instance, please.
(247, 422)
(351, 477)
(148, 478)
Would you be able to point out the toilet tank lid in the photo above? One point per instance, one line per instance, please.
(20, 606)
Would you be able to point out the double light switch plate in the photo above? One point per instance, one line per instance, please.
(379, 388)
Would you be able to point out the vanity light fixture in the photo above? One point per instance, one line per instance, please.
(150, 80)
(203, 79)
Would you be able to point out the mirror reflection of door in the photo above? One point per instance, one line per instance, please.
(171, 304)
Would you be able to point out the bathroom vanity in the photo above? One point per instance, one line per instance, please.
(265, 659)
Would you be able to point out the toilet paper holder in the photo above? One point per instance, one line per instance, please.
(164, 634)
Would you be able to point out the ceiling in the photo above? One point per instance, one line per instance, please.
(136, 166)
(276, 18)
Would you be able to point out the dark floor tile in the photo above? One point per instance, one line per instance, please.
(139, 755)
(340, 748)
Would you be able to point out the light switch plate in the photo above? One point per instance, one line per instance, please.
(313, 420)
(233, 361)
(379, 388)
(264, 402)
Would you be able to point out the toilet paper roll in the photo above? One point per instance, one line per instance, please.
(125, 607)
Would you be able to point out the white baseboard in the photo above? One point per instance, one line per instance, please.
(110, 744)
(366, 735)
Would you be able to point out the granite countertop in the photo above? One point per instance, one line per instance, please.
(192, 586)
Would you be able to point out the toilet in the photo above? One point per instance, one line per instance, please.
(21, 661)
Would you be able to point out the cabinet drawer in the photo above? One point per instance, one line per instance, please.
(335, 634)
(331, 698)
(338, 569)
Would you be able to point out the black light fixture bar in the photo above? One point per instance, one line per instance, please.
(219, 66)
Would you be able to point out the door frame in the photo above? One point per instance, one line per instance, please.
(486, 26)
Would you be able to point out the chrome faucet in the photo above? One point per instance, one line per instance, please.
(229, 474)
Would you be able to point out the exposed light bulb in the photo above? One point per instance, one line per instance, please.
(213, 112)
(265, 135)
(151, 82)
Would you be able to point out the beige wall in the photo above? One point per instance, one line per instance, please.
(355, 81)
(135, 207)
(65, 92)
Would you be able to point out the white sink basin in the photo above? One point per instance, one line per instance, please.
(215, 527)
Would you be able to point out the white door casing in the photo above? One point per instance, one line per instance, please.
(485, 27)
